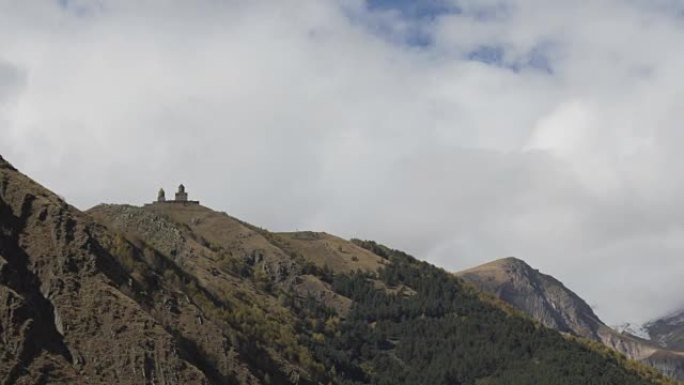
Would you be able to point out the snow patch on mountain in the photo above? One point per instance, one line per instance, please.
(633, 329)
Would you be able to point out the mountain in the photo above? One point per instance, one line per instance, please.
(176, 293)
(668, 331)
(633, 329)
(70, 312)
(543, 297)
(549, 302)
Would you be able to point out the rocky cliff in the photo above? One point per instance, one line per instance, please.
(68, 309)
(543, 297)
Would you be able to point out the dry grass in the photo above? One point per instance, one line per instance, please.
(340, 255)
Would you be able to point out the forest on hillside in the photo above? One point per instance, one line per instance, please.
(442, 332)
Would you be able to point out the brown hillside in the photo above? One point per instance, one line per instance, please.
(67, 308)
(176, 293)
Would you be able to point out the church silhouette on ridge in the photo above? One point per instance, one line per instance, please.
(181, 197)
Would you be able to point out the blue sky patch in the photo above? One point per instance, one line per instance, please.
(416, 18)
(415, 9)
(536, 59)
(493, 55)
(412, 23)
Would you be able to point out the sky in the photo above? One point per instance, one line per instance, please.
(460, 131)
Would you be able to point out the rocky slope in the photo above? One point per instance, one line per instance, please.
(548, 301)
(668, 331)
(181, 294)
(537, 294)
(68, 309)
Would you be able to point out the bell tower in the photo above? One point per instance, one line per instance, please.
(181, 195)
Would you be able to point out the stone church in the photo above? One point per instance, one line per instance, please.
(181, 197)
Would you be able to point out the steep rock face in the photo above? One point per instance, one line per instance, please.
(667, 362)
(539, 295)
(548, 301)
(62, 318)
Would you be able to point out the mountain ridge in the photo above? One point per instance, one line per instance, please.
(550, 302)
(176, 295)
(516, 282)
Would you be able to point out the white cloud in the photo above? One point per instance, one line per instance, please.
(316, 114)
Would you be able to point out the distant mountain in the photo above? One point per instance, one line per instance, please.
(668, 331)
(176, 293)
(539, 295)
(548, 301)
(635, 330)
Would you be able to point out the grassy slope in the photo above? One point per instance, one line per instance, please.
(438, 330)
